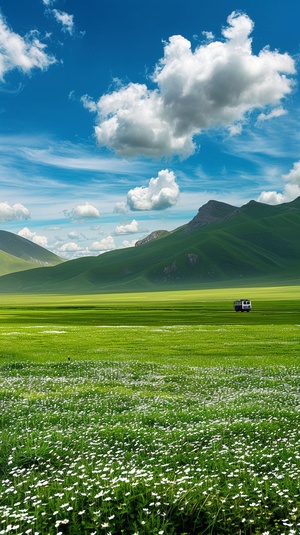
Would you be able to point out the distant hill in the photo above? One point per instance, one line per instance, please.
(221, 243)
(11, 264)
(18, 254)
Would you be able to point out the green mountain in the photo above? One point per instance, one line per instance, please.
(10, 263)
(221, 244)
(19, 254)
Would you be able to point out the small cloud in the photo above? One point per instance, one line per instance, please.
(106, 244)
(127, 243)
(277, 112)
(130, 228)
(22, 53)
(121, 207)
(33, 236)
(73, 235)
(208, 35)
(53, 228)
(290, 191)
(83, 211)
(70, 247)
(235, 129)
(13, 212)
(65, 19)
(71, 95)
(161, 193)
(26, 233)
(40, 240)
(271, 197)
(88, 103)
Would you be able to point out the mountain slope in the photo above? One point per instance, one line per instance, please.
(17, 254)
(12, 264)
(211, 213)
(234, 244)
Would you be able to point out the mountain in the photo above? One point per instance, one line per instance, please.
(153, 236)
(221, 243)
(18, 254)
(211, 213)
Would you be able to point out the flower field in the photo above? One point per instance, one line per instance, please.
(150, 429)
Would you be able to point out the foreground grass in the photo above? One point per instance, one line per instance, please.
(150, 429)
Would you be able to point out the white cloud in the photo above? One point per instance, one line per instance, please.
(73, 235)
(294, 175)
(40, 240)
(48, 2)
(291, 189)
(70, 247)
(106, 244)
(214, 87)
(13, 212)
(33, 236)
(162, 192)
(121, 207)
(23, 53)
(127, 243)
(83, 211)
(235, 129)
(277, 112)
(26, 233)
(290, 192)
(65, 19)
(271, 197)
(66, 157)
(88, 103)
(130, 228)
(208, 35)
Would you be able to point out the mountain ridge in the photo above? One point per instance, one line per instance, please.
(227, 243)
(211, 213)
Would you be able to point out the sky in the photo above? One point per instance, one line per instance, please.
(121, 117)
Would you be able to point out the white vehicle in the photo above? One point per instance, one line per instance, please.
(242, 305)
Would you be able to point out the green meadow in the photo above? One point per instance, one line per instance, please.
(150, 413)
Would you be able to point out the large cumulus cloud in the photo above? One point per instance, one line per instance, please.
(215, 86)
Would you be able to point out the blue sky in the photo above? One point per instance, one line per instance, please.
(123, 117)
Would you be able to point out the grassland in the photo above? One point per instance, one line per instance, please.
(159, 413)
